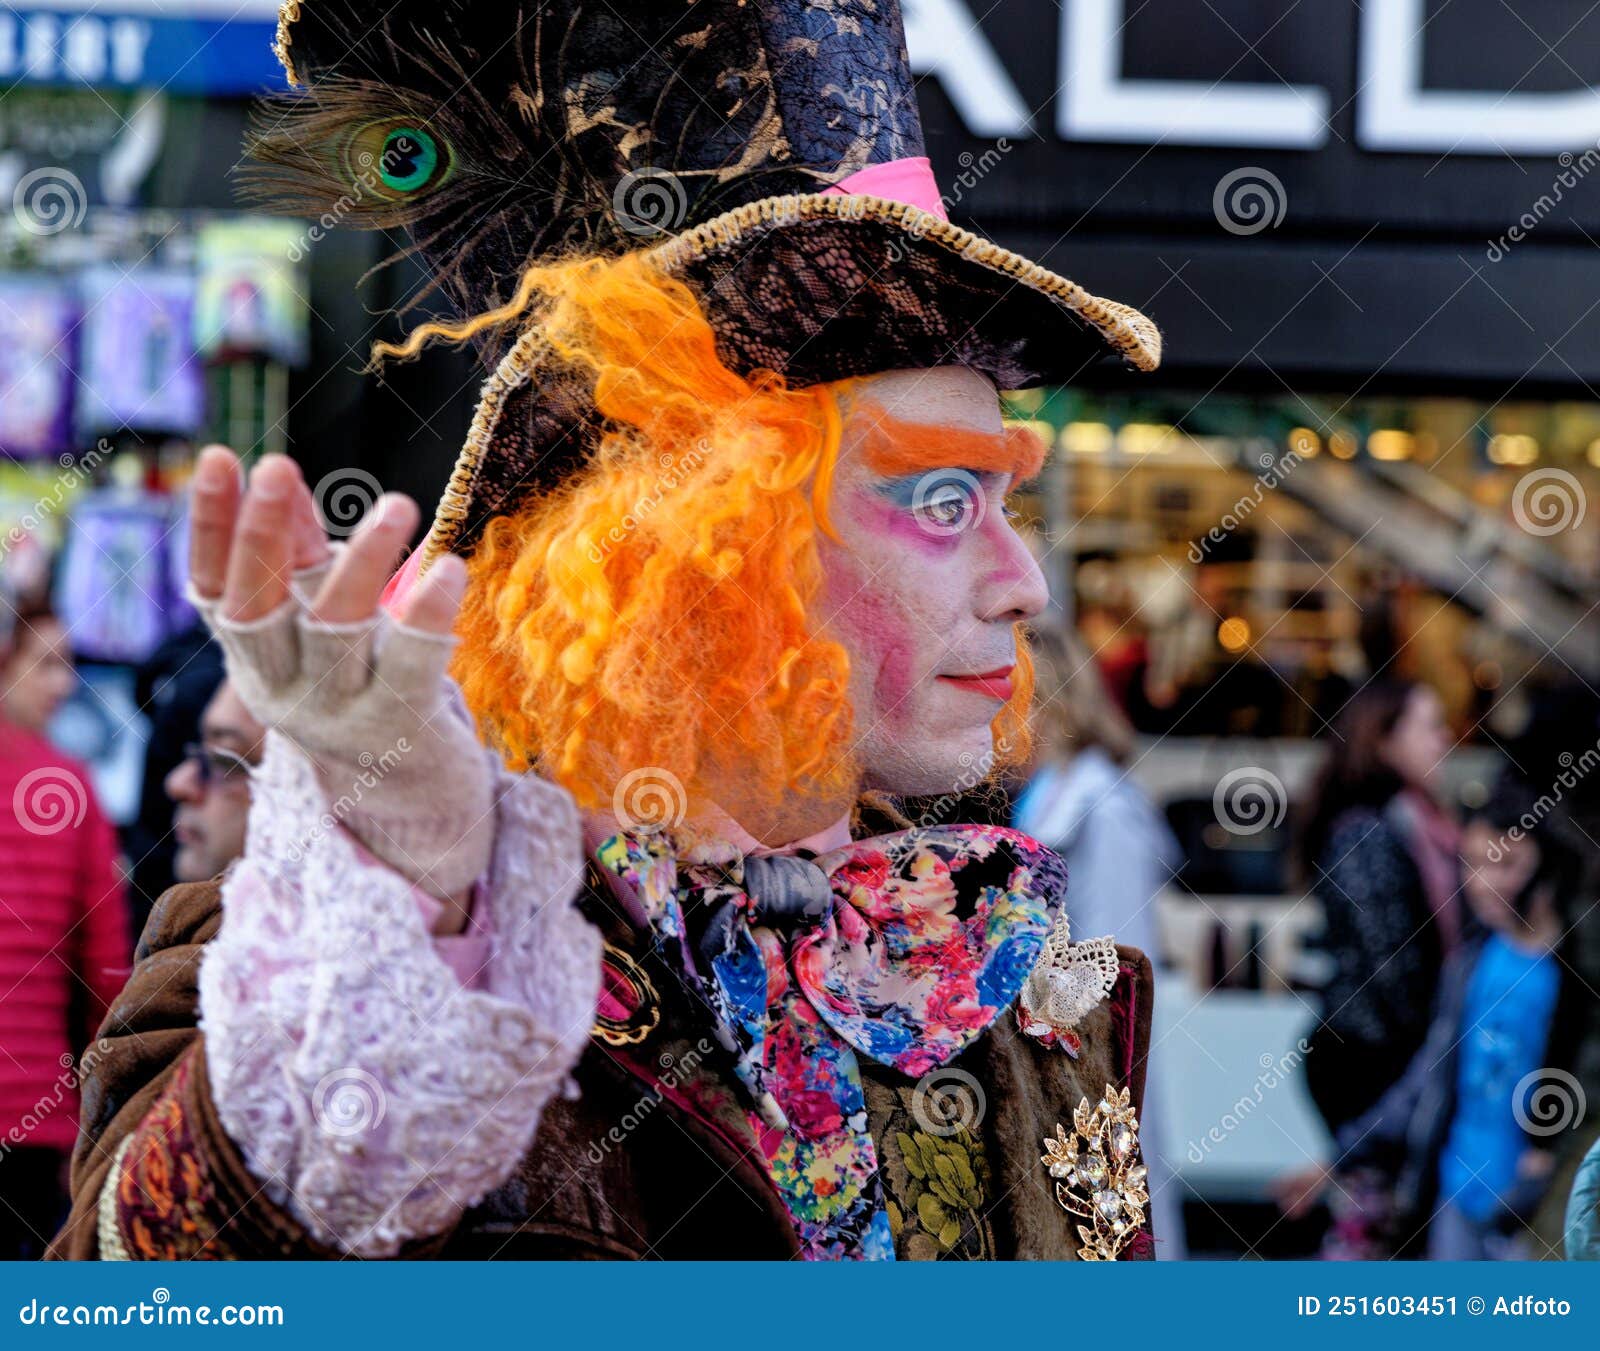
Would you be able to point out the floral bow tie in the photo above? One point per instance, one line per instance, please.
(903, 948)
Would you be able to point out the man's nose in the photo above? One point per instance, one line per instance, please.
(183, 783)
(1015, 590)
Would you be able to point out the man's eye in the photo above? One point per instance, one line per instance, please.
(948, 501)
(950, 506)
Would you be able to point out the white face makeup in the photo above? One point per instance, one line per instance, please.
(925, 588)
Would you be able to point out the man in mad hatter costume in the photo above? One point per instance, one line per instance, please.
(600, 897)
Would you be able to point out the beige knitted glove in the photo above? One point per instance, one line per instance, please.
(371, 705)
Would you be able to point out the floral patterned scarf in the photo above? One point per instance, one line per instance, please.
(903, 948)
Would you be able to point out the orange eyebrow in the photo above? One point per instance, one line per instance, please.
(893, 447)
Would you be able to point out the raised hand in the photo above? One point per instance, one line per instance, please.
(366, 697)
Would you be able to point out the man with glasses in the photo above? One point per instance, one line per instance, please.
(211, 788)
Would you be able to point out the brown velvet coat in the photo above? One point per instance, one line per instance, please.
(654, 1159)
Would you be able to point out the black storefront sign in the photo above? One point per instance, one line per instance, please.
(1390, 196)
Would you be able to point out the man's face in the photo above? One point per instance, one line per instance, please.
(213, 790)
(929, 576)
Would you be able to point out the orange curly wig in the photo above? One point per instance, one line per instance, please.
(656, 611)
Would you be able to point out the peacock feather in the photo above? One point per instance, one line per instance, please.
(491, 149)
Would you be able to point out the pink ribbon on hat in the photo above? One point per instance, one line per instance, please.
(399, 586)
(908, 180)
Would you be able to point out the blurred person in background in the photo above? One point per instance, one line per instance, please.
(1469, 1133)
(1184, 651)
(211, 787)
(1581, 1240)
(173, 687)
(1382, 856)
(64, 945)
(1557, 751)
(1081, 802)
(1113, 628)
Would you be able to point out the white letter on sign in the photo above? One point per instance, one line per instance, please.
(1396, 114)
(1096, 104)
(943, 39)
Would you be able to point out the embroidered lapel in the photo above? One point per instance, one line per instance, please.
(1033, 1087)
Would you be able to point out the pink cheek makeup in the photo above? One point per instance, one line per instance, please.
(891, 647)
(877, 630)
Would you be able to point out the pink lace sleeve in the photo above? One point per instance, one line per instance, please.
(379, 1081)
(465, 953)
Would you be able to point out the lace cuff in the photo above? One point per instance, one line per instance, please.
(465, 953)
(374, 1096)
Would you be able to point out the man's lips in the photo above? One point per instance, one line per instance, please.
(995, 684)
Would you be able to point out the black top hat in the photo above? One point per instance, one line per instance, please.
(767, 151)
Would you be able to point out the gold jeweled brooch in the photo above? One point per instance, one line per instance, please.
(1098, 1175)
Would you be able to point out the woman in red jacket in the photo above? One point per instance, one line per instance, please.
(64, 944)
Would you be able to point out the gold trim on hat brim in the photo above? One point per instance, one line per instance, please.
(1126, 331)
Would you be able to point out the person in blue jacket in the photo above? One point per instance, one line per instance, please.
(1468, 1132)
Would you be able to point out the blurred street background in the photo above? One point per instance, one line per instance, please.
(1321, 725)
